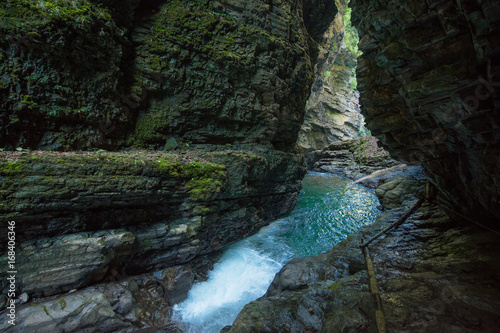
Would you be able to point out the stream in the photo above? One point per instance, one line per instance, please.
(328, 210)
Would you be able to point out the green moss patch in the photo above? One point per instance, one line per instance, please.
(26, 14)
(62, 303)
(200, 178)
(195, 26)
(149, 128)
(10, 168)
(203, 189)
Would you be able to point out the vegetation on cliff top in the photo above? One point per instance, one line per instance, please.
(351, 37)
(31, 13)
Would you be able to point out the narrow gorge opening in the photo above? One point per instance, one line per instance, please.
(328, 210)
(329, 207)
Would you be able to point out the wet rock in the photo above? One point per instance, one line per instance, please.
(380, 177)
(143, 301)
(433, 275)
(23, 298)
(393, 193)
(47, 266)
(150, 218)
(171, 145)
(86, 312)
(3, 301)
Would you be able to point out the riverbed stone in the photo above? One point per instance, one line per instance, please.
(86, 312)
(394, 193)
(380, 177)
(121, 306)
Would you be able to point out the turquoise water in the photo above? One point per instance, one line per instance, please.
(329, 209)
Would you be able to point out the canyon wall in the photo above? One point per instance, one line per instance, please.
(429, 79)
(80, 217)
(219, 85)
(109, 75)
(332, 110)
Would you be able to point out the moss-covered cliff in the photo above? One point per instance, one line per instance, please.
(104, 74)
(79, 215)
(223, 82)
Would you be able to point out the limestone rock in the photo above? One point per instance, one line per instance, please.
(393, 193)
(353, 159)
(203, 72)
(47, 266)
(332, 110)
(83, 312)
(84, 218)
(118, 306)
(380, 177)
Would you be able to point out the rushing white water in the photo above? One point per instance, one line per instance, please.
(241, 276)
(329, 208)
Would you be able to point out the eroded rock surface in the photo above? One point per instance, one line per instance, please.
(428, 79)
(80, 216)
(225, 80)
(126, 74)
(353, 159)
(127, 306)
(332, 110)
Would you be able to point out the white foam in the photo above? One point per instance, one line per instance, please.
(242, 275)
(327, 212)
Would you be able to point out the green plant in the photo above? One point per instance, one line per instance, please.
(353, 84)
(363, 130)
(26, 14)
(10, 168)
(351, 33)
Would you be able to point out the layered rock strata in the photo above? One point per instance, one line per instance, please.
(126, 306)
(353, 159)
(80, 216)
(121, 74)
(332, 110)
(230, 78)
(428, 79)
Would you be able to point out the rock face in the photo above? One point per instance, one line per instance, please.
(202, 72)
(81, 216)
(353, 159)
(220, 85)
(125, 306)
(332, 110)
(433, 275)
(428, 79)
